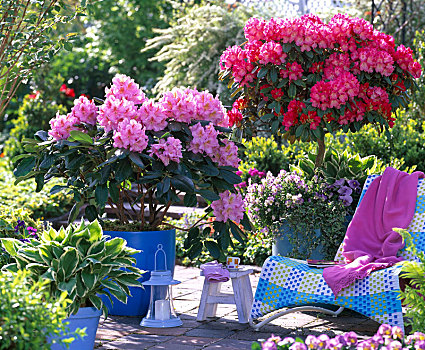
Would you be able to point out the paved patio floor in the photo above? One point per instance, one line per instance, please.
(223, 331)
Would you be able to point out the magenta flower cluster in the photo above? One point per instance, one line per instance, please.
(386, 338)
(329, 68)
(138, 124)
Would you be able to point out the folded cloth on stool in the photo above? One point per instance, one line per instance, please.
(214, 272)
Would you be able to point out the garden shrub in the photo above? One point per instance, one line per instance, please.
(264, 154)
(28, 314)
(192, 45)
(23, 195)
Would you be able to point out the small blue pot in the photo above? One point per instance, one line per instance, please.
(86, 317)
(147, 242)
(282, 246)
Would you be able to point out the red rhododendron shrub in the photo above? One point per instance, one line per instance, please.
(303, 77)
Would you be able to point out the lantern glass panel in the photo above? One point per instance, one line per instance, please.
(161, 304)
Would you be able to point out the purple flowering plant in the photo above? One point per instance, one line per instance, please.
(305, 205)
(386, 338)
(348, 191)
(253, 175)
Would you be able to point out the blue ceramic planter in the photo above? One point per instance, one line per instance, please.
(147, 242)
(86, 317)
(282, 246)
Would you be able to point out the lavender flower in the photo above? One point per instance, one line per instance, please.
(298, 346)
(350, 338)
(354, 184)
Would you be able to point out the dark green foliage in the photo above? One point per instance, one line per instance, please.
(122, 29)
(28, 313)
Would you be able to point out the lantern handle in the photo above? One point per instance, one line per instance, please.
(160, 249)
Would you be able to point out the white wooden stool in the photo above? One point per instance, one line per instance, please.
(241, 297)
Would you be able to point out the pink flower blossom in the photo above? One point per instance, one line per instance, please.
(230, 206)
(227, 155)
(114, 111)
(85, 110)
(335, 65)
(271, 52)
(293, 71)
(204, 139)
(166, 151)
(61, 126)
(125, 87)
(130, 134)
(152, 115)
(180, 105)
(209, 107)
(254, 29)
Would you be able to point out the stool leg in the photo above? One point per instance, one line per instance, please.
(248, 297)
(240, 303)
(205, 309)
(211, 309)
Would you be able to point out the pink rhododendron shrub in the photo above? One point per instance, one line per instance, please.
(148, 153)
(303, 77)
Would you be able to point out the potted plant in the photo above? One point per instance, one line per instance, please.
(138, 157)
(28, 313)
(306, 217)
(301, 77)
(82, 262)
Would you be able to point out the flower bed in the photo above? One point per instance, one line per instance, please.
(387, 337)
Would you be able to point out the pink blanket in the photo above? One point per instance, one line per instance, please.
(370, 243)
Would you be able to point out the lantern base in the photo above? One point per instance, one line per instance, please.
(172, 322)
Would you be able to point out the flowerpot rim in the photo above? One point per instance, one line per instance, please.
(87, 312)
(138, 232)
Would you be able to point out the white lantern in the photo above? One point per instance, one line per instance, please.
(161, 312)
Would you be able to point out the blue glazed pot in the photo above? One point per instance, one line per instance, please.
(147, 242)
(282, 246)
(86, 317)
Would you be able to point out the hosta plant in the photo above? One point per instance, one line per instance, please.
(78, 260)
(137, 157)
(303, 78)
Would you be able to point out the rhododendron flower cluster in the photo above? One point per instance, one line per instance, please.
(177, 143)
(319, 68)
(168, 150)
(229, 207)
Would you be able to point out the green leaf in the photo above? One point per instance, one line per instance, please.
(69, 261)
(114, 247)
(80, 136)
(88, 278)
(213, 248)
(190, 200)
(91, 213)
(230, 177)
(123, 170)
(135, 158)
(69, 286)
(24, 167)
(183, 183)
(95, 231)
(57, 188)
(101, 195)
(209, 195)
(195, 250)
(273, 74)
(262, 72)
(96, 301)
(114, 191)
(292, 91)
(75, 210)
(209, 170)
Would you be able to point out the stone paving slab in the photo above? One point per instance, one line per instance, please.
(223, 331)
